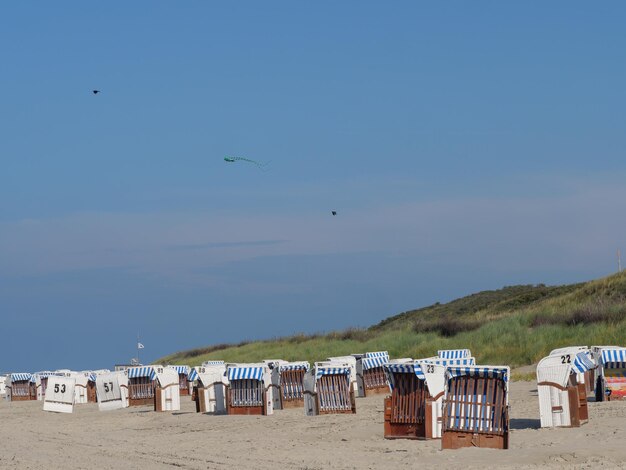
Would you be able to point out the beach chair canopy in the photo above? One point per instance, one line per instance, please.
(614, 358)
(245, 372)
(583, 362)
(331, 370)
(144, 371)
(295, 366)
(212, 363)
(377, 354)
(406, 368)
(374, 361)
(21, 376)
(431, 374)
(497, 372)
(453, 353)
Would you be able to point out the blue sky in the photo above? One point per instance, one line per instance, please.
(465, 146)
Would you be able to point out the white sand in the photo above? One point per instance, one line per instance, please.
(140, 438)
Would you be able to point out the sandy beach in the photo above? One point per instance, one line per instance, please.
(140, 438)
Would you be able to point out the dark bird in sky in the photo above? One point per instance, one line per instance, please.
(334, 212)
(95, 92)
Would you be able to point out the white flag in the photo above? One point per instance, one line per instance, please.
(139, 346)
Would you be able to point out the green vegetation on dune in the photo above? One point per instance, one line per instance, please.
(516, 326)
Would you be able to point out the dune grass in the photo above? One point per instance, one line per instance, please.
(513, 326)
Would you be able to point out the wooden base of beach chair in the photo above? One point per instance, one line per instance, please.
(382, 390)
(292, 403)
(21, 398)
(140, 401)
(415, 430)
(246, 410)
(458, 440)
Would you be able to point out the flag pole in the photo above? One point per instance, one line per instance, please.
(138, 361)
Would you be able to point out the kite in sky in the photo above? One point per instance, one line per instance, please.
(95, 92)
(260, 165)
(334, 212)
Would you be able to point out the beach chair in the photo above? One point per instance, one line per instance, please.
(413, 410)
(210, 391)
(291, 391)
(92, 394)
(249, 391)
(611, 372)
(562, 399)
(60, 394)
(356, 385)
(167, 389)
(370, 373)
(141, 385)
(589, 377)
(112, 390)
(274, 367)
(19, 386)
(328, 390)
(475, 407)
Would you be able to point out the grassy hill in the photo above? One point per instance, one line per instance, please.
(516, 326)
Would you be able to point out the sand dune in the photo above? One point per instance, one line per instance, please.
(141, 438)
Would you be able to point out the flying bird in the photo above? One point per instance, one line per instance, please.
(95, 92)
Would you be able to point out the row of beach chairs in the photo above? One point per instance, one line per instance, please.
(447, 397)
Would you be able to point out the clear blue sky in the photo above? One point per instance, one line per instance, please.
(465, 146)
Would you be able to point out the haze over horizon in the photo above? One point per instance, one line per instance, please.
(464, 147)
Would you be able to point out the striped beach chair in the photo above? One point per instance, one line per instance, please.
(20, 387)
(351, 361)
(249, 391)
(370, 372)
(562, 399)
(475, 407)
(328, 390)
(141, 385)
(611, 379)
(291, 382)
(413, 410)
